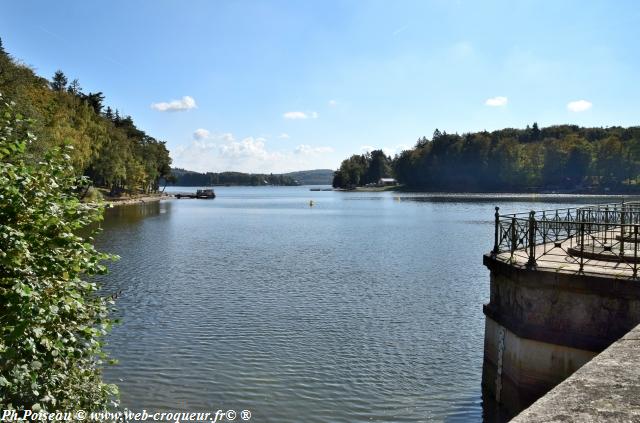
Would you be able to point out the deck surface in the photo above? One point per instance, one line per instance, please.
(559, 258)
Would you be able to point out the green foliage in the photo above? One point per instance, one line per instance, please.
(52, 320)
(59, 81)
(362, 169)
(108, 148)
(189, 178)
(564, 157)
(93, 195)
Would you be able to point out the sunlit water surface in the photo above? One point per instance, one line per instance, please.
(364, 307)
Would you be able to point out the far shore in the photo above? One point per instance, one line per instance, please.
(560, 192)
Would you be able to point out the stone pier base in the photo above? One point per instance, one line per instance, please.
(541, 326)
(517, 371)
(607, 389)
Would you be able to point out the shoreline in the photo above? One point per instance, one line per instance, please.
(411, 190)
(126, 201)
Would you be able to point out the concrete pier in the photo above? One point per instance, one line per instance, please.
(549, 316)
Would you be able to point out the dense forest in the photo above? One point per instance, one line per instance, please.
(107, 147)
(563, 157)
(188, 178)
(363, 169)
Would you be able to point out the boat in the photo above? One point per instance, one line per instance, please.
(205, 193)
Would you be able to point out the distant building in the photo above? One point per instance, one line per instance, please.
(386, 182)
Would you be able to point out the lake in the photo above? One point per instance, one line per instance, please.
(365, 307)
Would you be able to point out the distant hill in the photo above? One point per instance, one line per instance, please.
(188, 178)
(305, 177)
(312, 177)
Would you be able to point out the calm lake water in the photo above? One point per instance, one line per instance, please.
(364, 307)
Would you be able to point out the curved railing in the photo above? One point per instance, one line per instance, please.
(602, 232)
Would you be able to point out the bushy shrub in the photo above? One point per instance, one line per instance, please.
(51, 318)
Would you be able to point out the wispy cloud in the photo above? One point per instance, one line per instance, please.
(300, 115)
(223, 152)
(399, 30)
(248, 148)
(284, 136)
(185, 103)
(579, 105)
(496, 101)
(201, 134)
(333, 103)
(307, 149)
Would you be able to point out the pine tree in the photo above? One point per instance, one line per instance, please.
(74, 87)
(59, 81)
(535, 132)
(95, 101)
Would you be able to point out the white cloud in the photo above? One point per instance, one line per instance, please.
(496, 101)
(227, 136)
(295, 115)
(284, 136)
(579, 105)
(300, 115)
(307, 149)
(250, 148)
(201, 134)
(333, 103)
(185, 103)
(222, 152)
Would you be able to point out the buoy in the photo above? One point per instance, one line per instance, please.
(310, 203)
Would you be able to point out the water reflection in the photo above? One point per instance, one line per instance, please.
(510, 198)
(132, 213)
(348, 311)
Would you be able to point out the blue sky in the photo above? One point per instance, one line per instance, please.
(270, 86)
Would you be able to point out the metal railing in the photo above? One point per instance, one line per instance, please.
(586, 235)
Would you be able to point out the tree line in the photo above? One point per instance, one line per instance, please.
(107, 147)
(187, 178)
(363, 169)
(561, 157)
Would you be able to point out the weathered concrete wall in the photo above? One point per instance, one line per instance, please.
(541, 326)
(605, 389)
(578, 311)
(517, 371)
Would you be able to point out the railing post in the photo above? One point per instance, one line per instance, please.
(514, 238)
(496, 240)
(581, 247)
(635, 251)
(606, 223)
(622, 229)
(532, 239)
(544, 231)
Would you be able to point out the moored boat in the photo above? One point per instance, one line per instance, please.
(205, 193)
